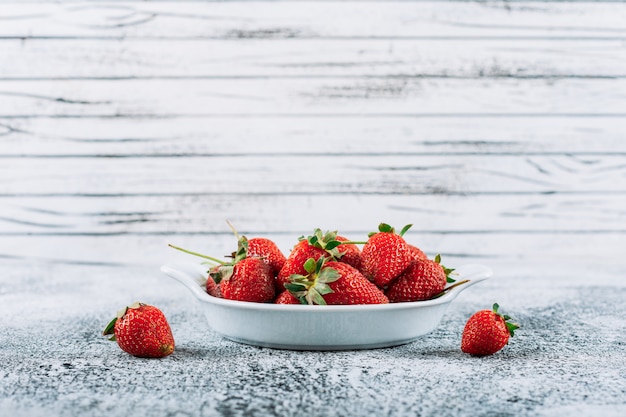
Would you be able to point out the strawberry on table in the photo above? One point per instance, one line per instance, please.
(486, 332)
(334, 283)
(422, 280)
(386, 255)
(142, 330)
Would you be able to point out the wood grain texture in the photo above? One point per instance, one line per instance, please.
(476, 121)
(320, 136)
(305, 20)
(314, 98)
(314, 58)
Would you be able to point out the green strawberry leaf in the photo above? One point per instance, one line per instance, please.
(385, 228)
(511, 327)
(332, 245)
(310, 265)
(328, 275)
(405, 229)
(314, 297)
(110, 327)
(223, 273)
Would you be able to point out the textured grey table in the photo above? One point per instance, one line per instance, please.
(497, 128)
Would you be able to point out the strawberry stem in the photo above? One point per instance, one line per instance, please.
(197, 254)
(447, 289)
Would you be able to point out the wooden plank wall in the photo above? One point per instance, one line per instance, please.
(497, 128)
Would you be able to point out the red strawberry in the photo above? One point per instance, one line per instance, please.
(417, 253)
(385, 255)
(350, 253)
(249, 279)
(486, 332)
(286, 297)
(268, 251)
(142, 330)
(422, 280)
(334, 283)
(242, 279)
(316, 246)
(259, 247)
(294, 265)
(211, 286)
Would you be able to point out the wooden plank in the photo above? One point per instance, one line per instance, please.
(298, 214)
(304, 175)
(284, 58)
(229, 20)
(196, 137)
(572, 259)
(313, 97)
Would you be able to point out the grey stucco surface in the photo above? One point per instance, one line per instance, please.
(568, 357)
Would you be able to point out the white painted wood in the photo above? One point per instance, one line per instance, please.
(244, 175)
(231, 20)
(495, 126)
(183, 215)
(314, 58)
(192, 137)
(313, 97)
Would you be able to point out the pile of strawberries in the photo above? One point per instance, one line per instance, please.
(326, 268)
(323, 268)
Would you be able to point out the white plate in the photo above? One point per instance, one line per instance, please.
(305, 327)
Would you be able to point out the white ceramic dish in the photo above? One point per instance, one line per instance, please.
(304, 327)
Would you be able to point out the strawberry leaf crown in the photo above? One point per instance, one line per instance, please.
(110, 329)
(325, 241)
(310, 288)
(511, 327)
(447, 271)
(385, 228)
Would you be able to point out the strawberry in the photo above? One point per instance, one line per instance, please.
(350, 253)
(334, 283)
(242, 279)
(211, 286)
(385, 255)
(249, 279)
(318, 245)
(422, 280)
(259, 247)
(286, 297)
(417, 253)
(294, 265)
(268, 251)
(486, 332)
(142, 330)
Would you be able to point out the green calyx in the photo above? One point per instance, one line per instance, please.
(310, 288)
(110, 328)
(511, 327)
(447, 271)
(325, 241)
(385, 228)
